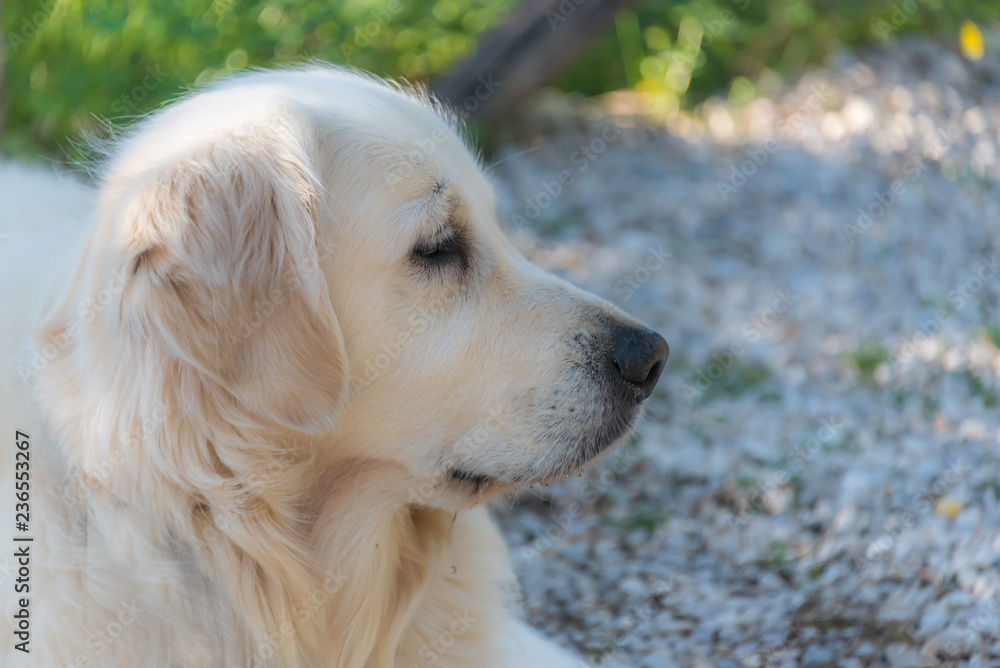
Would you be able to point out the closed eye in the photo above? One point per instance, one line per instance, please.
(449, 248)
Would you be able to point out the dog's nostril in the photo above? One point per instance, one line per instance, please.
(639, 356)
(654, 372)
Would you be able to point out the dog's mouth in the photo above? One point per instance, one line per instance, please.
(480, 483)
(477, 481)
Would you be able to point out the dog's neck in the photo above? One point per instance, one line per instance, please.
(384, 552)
(340, 576)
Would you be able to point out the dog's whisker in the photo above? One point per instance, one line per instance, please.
(519, 154)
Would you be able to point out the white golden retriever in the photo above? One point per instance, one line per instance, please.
(263, 392)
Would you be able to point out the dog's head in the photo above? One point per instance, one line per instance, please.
(298, 288)
(325, 251)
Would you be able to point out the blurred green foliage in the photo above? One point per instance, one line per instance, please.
(71, 62)
(683, 52)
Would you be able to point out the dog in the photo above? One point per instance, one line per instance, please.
(258, 394)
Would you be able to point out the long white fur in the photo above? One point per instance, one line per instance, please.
(224, 470)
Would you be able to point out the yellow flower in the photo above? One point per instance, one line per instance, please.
(971, 40)
(948, 507)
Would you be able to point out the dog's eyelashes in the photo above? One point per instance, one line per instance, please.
(450, 249)
(445, 249)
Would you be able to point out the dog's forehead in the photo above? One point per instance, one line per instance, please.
(421, 145)
(392, 142)
(414, 145)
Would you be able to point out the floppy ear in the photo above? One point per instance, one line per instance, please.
(223, 251)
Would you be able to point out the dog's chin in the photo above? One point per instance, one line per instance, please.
(583, 452)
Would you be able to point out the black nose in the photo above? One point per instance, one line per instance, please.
(639, 356)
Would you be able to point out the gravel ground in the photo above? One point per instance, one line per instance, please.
(817, 481)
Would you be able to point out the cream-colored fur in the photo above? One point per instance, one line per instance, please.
(250, 403)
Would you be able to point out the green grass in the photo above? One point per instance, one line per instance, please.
(599, 652)
(900, 397)
(746, 377)
(772, 397)
(867, 358)
(993, 336)
(846, 444)
(741, 378)
(931, 406)
(991, 483)
(643, 519)
(554, 225)
(979, 389)
(778, 553)
(72, 62)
